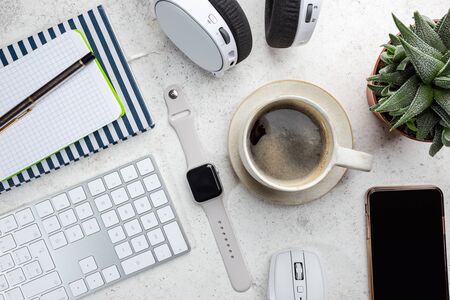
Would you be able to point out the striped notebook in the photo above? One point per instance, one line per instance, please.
(96, 27)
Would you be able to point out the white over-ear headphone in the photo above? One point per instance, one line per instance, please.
(216, 35)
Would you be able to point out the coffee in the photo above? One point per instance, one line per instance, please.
(287, 143)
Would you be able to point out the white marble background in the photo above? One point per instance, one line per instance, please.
(338, 58)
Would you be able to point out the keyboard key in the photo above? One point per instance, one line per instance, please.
(32, 269)
(126, 212)
(78, 287)
(133, 227)
(138, 262)
(96, 187)
(6, 262)
(139, 243)
(165, 214)
(145, 166)
(110, 218)
(67, 217)
(44, 208)
(162, 252)
(119, 196)
(8, 224)
(24, 216)
(94, 281)
(51, 224)
(7, 243)
(142, 205)
(158, 198)
(111, 273)
(90, 226)
(74, 233)
(21, 255)
(84, 211)
(15, 276)
(87, 264)
(58, 240)
(135, 189)
(152, 182)
(27, 234)
(116, 234)
(77, 195)
(155, 236)
(175, 238)
(112, 180)
(149, 221)
(128, 173)
(60, 201)
(123, 250)
(3, 283)
(58, 294)
(103, 203)
(14, 294)
(41, 284)
(39, 251)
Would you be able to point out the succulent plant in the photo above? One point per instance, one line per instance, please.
(413, 80)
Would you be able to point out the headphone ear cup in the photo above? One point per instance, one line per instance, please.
(234, 16)
(281, 21)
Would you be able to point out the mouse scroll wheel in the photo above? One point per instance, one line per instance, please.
(299, 272)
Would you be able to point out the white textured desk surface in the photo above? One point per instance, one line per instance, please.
(338, 58)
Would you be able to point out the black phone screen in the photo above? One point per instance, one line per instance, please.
(408, 245)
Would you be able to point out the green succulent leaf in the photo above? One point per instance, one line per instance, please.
(444, 30)
(394, 39)
(422, 100)
(445, 70)
(425, 123)
(398, 113)
(446, 137)
(386, 92)
(426, 66)
(446, 56)
(429, 21)
(399, 54)
(411, 125)
(396, 78)
(442, 98)
(413, 39)
(442, 81)
(388, 69)
(437, 141)
(427, 34)
(377, 89)
(387, 57)
(404, 63)
(389, 48)
(445, 117)
(402, 97)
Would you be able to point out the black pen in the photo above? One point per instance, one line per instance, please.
(27, 105)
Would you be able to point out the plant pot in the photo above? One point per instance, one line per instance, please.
(372, 99)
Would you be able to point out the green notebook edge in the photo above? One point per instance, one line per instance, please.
(113, 90)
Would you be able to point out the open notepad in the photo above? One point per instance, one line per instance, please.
(81, 105)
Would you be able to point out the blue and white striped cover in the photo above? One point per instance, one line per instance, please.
(96, 27)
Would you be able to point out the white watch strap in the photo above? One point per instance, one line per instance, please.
(227, 244)
(182, 120)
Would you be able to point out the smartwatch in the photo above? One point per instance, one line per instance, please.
(206, 188)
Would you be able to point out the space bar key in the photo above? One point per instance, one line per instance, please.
(41, 284)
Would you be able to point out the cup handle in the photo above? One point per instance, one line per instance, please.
(352, 159)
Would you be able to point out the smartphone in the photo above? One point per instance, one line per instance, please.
(406, 243)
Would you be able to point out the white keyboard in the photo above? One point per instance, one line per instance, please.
(89, 236)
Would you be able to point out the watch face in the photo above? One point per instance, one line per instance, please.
(204, 182)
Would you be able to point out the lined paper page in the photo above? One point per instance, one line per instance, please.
(79, 106)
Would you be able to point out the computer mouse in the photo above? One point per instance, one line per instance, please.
(296, 275)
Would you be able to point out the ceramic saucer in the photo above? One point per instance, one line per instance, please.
(274, 90)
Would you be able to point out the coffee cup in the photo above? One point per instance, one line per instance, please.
(289, 144)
